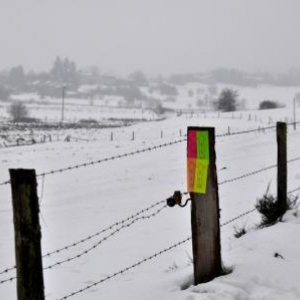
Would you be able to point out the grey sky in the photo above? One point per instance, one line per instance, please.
(152, 35)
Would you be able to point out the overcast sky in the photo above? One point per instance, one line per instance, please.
(156, 36)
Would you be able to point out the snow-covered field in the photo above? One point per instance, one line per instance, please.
(78, 203)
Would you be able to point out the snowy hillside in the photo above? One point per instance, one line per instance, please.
(78, 204)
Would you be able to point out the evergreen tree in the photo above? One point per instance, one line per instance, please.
(227, 100)
(64, 71)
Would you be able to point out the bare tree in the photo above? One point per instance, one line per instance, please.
(18, 111)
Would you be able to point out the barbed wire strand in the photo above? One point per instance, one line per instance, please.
(252, 210)
(99, 161)
(121, 222)
(5, 182)
(11, 279)
(255, 172)
(86, 251)
(247, 174)
(238, 217)
(246, 131)
(126, 269)
(94, 246)
(294, 190)
(72, 245)
(7, 270)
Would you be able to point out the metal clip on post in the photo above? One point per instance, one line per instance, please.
(176, 200)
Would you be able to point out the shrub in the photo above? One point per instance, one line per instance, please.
(268, 207)
(268, 104)
(239, 231)
(88, 121)
(18, 111)
(29, 120)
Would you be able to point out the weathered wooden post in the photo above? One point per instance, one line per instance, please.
(203, 189)
(281, 129)
(30, 282)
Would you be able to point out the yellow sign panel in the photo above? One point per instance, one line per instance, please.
(197, 161)
(201, 176)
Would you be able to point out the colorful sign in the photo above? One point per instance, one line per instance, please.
(197, 160)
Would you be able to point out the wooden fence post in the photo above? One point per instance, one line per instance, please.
(203, 189)
(281, 129)
(270, 120)
(30, 282)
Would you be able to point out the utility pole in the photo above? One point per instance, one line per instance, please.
(63, 102)
(295, 98)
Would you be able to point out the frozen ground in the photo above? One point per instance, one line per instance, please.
(81, 202)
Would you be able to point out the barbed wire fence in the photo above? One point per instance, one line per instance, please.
(154, 148)
(133, 220)
(153, 256)
(121, 223)
(113, 233)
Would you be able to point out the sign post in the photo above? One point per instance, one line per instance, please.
(203, 188)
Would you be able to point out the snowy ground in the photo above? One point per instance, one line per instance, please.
(81, 202)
